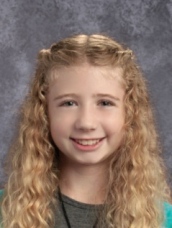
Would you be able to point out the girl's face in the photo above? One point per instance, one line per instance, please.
(86, 113)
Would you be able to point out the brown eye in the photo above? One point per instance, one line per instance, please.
(68, 103)
(106, 103)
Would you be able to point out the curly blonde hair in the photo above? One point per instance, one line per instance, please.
(136, 187)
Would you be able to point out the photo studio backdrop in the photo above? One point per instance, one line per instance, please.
(28, 26)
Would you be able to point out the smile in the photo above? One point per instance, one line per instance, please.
(88, 142)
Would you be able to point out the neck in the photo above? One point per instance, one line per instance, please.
(84, 183)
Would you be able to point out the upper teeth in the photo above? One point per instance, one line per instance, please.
(87, 142)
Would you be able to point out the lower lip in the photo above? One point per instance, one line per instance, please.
(87, 147)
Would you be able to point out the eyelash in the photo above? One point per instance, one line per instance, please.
(100, 103)
(106, 103)
(67, 103)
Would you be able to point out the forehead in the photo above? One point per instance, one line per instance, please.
(86, 80)
(84, 71)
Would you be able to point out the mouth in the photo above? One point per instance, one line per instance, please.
(87, 142)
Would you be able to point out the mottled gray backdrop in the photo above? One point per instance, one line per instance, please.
(28, 26)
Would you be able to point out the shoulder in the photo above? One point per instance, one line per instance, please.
(1, 193)
(1, 196)
(1, 199)
(168, 215)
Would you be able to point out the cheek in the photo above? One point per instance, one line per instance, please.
(114, 125)
(60, 126)
(56, 129)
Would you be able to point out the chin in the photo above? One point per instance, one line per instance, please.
(91, 162)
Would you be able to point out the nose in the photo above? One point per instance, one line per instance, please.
(86, 119)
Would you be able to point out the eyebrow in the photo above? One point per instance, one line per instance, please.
(107, 95)
(95, 95)
(65, 95)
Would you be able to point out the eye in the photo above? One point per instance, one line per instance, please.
(106, 103)
(68, 103)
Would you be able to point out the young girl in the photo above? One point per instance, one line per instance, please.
(87, 153)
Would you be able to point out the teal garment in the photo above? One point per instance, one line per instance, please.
(168, 215)
(167, 210)
(1, 192)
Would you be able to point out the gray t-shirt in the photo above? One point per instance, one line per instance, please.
(80, 215)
